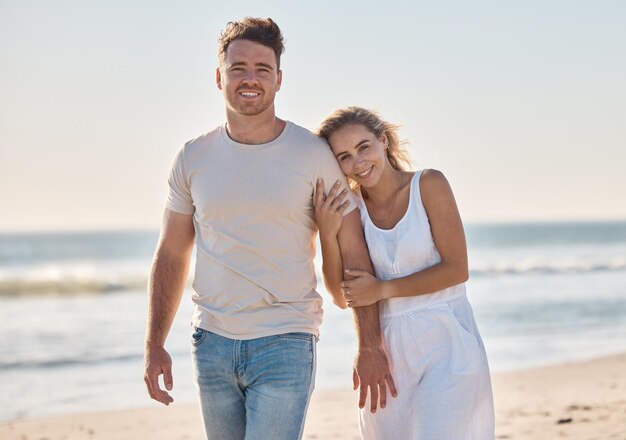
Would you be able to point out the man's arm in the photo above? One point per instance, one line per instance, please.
(371, 367)
(165, 290)
(329, 217)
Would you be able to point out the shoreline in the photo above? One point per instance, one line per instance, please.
(582, 400)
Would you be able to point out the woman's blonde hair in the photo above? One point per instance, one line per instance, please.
(371, 120)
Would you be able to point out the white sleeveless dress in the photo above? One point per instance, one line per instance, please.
(436, 355)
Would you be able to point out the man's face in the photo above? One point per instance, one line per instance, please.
(249, 77)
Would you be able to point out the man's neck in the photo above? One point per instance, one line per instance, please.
(254, 130)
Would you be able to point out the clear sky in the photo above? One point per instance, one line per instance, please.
(521, 104)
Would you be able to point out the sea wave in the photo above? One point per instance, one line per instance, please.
(539, 267)
(91, 278)
(73, 277)
(65, 362)
(17, 287)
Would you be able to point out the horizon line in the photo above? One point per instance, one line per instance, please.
(470, 223)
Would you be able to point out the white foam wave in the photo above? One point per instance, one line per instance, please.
(545, 266)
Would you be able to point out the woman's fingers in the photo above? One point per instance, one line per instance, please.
(339, 199)
(350, 299)
(332, 200)
(319, 193)
(333, 191)
(356, 273)
(343, 206)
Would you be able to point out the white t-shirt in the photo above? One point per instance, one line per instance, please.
(253, 214)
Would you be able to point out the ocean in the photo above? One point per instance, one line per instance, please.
(72, 311)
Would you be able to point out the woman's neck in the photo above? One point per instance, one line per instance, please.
(390, 182)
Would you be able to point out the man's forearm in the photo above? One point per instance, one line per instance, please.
(367, 327)
(165, 290)
(366, 320)
(355, 255)
(371, 366)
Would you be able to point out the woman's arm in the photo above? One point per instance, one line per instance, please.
(449, 238)
(329, 216)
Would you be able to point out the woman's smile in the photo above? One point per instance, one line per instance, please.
(365, 174)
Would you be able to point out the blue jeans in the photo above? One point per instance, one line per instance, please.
(254, 389)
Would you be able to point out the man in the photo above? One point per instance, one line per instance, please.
(245, 192)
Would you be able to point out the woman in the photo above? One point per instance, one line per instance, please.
(417, 246)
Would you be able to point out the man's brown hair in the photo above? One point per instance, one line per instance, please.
(260, 30)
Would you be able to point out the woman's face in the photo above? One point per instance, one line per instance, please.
(361, 155)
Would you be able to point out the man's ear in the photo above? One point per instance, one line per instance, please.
(280, 80)
(218, 78)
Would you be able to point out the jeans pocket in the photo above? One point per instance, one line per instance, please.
(198, 336)
(302, 336)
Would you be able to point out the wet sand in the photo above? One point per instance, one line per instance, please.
(580, 401)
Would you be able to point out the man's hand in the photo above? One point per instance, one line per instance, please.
(371, 370)
(157, 361)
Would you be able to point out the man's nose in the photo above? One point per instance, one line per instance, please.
(250, 76)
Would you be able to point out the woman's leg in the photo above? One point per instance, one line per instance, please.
(441, 372)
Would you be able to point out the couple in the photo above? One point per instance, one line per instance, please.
(252, 194)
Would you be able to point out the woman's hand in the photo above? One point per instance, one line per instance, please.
(363, 290)
(329, 209)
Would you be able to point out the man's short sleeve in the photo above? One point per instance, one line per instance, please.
(179, 197)
(329, 170)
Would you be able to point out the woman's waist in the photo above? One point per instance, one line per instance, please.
(397, 306)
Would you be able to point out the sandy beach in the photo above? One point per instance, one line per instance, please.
(585, 400)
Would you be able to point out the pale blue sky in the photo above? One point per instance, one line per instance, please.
(521, 104)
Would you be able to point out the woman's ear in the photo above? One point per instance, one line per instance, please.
(384, 140)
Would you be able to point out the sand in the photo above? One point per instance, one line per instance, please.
(585, 400)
